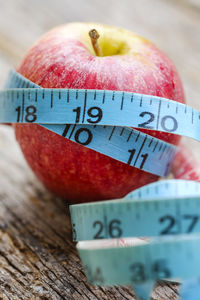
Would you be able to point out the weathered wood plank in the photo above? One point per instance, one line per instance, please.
(37, 257)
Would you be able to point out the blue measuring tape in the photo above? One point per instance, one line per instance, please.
(165, 213)
(58, 109)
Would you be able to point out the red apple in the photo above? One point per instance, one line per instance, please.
(65, 58)
(185, 165)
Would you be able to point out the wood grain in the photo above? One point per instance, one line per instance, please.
(37, 257)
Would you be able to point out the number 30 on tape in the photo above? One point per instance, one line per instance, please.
(101, 120)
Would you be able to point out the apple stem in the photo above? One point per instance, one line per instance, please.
(94, 35)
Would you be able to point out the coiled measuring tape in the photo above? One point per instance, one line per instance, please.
(165, 213)
(53, 108)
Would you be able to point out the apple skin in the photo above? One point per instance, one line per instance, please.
(64, 58)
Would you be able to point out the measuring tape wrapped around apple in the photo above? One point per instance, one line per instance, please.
(164, 212)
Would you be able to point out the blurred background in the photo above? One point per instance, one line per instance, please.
(173, 25)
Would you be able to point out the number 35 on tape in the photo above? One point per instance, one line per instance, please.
(165, 213)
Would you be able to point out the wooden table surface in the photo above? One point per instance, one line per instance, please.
(37, 257)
